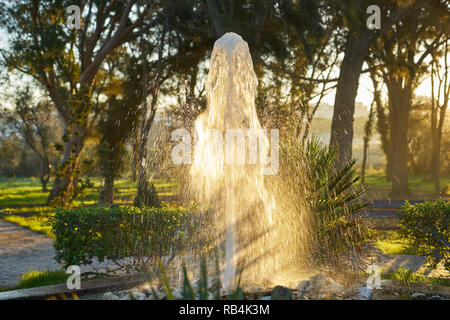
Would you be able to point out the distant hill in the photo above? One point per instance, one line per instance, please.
(325, 110)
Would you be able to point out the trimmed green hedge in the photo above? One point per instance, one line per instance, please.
(143, 234)
(428, 226)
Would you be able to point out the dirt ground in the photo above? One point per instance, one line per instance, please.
(22, 250)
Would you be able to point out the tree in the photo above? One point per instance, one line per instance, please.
(146, 192)
(291, 43)
(401, 53)
(67, 61)
(11, 150)
(358, 40)
(35, 124)
(419, 136)
(121, 86)
(368, 127)
(439, 105)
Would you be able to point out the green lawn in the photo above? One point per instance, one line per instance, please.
(391, 242)
(421, 186)
(406, 275)
(22, 200)
(34, 278)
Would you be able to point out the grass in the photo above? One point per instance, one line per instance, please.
(418, 183)
(34, 278)
(406, 275)
(36, 223)
(391, 242)
(421, 186)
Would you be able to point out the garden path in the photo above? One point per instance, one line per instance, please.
(22, 250)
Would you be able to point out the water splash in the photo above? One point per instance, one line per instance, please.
(255, 225)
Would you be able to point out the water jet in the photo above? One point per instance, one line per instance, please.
(257, 230)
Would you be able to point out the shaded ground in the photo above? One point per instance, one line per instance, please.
(22, 250)
(415, 263)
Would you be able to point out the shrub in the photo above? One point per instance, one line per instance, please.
(428, 226)
(332, 196)
(335, 197)
(142, 234)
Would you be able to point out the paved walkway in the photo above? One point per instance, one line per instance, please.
(22, 250)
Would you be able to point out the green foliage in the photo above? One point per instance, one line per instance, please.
(203, 287)
(327, 199)
(81, 189)
(427, 225)
(335, 197)
(408, 275)
(34, 278)
(147, 195)
(392, 242)
(12, 152)
(144, 234)
(36, 223)
(119, 113)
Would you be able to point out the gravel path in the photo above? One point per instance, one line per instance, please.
(415, 263)
(22, 250)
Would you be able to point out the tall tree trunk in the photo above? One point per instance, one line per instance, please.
(108, 190)
(383, 129)
(438, 113)
(368, 134)
(356, 49)
(74, 134)
(146, 192)
(217, 17)
(44, 173)
(382, 124)
(400, 102)
(68, 172)
(435, 160)
(135, 155)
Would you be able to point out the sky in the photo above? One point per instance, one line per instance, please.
(365, 91)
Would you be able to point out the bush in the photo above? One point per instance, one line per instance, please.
(428, 226)
(336, 198)
(142, 234)
(330, 196)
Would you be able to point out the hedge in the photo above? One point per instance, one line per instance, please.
(143, 234)
(428, 226)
